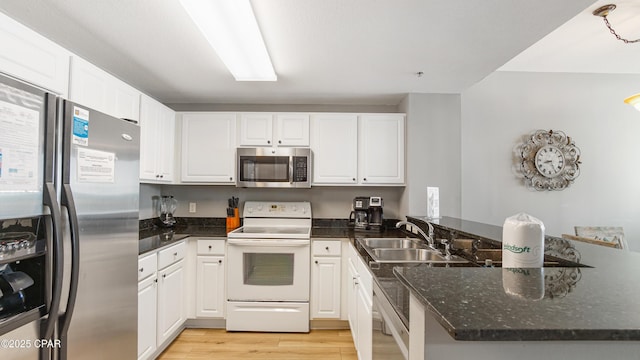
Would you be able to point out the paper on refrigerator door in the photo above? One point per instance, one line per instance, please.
(19, 153)
(96, 166)
(433, 202)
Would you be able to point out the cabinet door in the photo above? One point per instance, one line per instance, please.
(157, 141)
(365, 325)
(381, 149)
(149, 129)
(210, 298)
(147, 307)
(171, 292)
(208, 147)
(125, 100)
(352, 301)
(256, 129)
(89, 86)
(325, 287)
(292, 130)
(33, 58)
(165, 162)
(335, 148)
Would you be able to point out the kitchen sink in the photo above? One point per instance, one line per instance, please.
(412, 256)
(393, 243)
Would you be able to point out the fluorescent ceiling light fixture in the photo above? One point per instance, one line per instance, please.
(634, 101)
(232, 30)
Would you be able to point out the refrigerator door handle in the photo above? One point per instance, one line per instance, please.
(65, 318)
(50, 200)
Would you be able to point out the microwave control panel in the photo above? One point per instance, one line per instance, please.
(300, 169)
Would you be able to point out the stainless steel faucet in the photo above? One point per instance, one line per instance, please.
(429, 237)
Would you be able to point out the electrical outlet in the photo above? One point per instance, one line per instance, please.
(192, 207)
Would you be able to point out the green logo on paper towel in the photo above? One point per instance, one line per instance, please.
(522, 271)
(516, 249)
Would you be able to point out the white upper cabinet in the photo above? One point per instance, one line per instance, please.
(208, 147)
(267, 129)
(97, 89)
(358, 149)
(256, 129)
(33, 58)
(381, 149)
(157, 141)
(334, 143)
(292, 130)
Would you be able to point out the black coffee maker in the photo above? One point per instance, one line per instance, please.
(367, 213)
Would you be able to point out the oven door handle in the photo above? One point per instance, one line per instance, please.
(264, 242)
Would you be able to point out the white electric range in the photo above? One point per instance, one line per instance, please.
(268, 268)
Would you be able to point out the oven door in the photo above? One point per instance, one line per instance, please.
(268, 270)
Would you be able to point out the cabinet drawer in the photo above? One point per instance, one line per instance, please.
(326, 248)
(211, 247)
(171, 255)
(147, 265)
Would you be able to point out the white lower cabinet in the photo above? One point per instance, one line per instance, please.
(161, 298)
(326, 279)
(171, 292)
(360, 303)
(147, 308)
(210, 274)
(147, 305)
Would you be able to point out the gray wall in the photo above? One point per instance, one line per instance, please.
(433, 152)
(504, 107)
(211, 200)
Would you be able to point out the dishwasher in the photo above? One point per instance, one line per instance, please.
(390, 335)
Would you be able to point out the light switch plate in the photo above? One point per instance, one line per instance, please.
(192, 207)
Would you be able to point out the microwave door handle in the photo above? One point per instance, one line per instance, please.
(291, 170)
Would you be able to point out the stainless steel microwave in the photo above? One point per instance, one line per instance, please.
(274, 167)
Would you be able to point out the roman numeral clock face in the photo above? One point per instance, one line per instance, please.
(549, 161)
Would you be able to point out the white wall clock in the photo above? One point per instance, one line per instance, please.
(549, 160)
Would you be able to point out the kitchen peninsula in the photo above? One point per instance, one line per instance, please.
(590, 312)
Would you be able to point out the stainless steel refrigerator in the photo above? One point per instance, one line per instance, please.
(69, 182)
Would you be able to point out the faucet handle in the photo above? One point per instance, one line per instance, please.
(447, 248)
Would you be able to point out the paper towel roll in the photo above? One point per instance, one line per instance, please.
(524, 283)
(522, 242)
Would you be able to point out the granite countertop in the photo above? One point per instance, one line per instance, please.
(600, 302)
(155, 238)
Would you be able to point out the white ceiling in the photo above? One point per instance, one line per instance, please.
(335, 51)
(585, 45)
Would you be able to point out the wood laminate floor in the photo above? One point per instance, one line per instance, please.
(218, 344)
